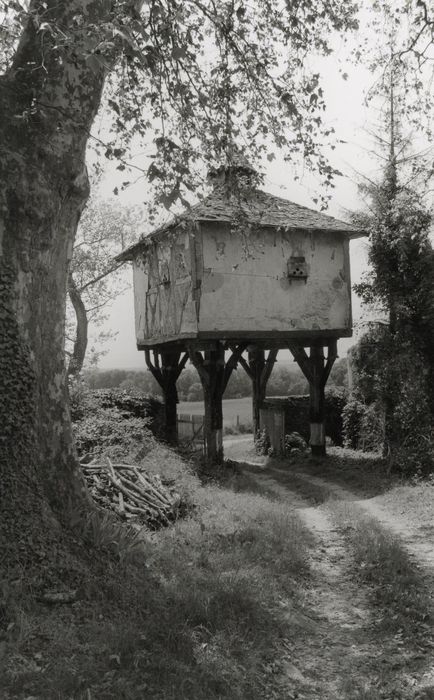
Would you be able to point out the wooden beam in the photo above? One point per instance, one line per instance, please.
(245, 365)
(156, 373)
(268, 368)
(332, 354)
(182, 364)
(232, 363)
(302, 359)
(198, 362)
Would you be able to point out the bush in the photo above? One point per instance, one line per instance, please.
(294, 441)
(335, 402)
(363, 426)
(391, 407)
(109, 422)
(413, 450)
(294, 446)
(107, 431)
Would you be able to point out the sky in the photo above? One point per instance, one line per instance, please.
(348, 113)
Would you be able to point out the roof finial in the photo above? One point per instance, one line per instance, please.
(235, 167)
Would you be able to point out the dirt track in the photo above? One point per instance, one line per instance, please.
(413, 525)
(349, 649)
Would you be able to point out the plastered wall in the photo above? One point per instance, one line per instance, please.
(246, 287)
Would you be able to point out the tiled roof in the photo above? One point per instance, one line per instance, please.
(259, 208)
(266, 210)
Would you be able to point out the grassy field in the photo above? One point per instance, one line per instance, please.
(231, 409)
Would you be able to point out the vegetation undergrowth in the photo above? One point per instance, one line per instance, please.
(198, 610)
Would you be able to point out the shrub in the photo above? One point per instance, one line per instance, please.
(109, 422)
(391, 408)
(335, 402)
(107, 431)
(363, 426)
(294, 441)
(132, 403)
(413, 450)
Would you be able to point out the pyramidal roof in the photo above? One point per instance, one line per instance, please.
(265, 209)
(258, 208)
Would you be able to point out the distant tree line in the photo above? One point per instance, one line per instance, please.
(285, 380)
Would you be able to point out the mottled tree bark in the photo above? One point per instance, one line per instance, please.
(48, 101)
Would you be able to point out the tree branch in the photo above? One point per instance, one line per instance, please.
(100, 277)
(81, 336)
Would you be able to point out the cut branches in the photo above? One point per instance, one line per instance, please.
(131, 493)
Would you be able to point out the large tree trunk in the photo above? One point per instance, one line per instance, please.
(48, 101)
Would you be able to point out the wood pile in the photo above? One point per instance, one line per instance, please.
(133, 494)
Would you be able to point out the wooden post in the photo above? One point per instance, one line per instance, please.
(166, 373)
(259, 370)
(317, 373)
(214, 363)
(214, 374)
(317, 398)
(257, 365)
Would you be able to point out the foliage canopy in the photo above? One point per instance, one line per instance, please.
(198, 78)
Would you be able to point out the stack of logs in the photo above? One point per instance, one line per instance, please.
(132, 494)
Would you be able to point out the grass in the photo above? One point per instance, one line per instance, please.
(363, 473)
(200, 613)
(398, 589)
(401, 602)
(218, 606)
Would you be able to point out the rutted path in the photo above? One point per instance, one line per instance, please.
(409, 533)
(341, 606)
(340, 656)
(417, 537)
(346, 651)
(340, 644)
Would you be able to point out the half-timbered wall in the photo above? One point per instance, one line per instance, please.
(164, 306)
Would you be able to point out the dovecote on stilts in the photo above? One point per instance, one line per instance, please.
(232, 281)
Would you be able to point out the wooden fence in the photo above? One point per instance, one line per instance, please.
(190, 429)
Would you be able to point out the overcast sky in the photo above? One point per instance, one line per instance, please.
(349, 115)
